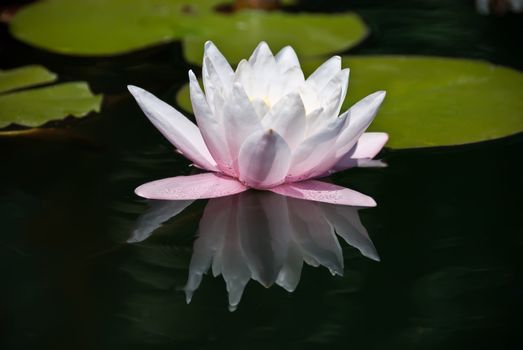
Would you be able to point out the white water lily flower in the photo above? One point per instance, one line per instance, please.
(265, 126)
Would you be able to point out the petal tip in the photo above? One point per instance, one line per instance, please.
(192, 78)
(135, 90)
(139, 191)
(370, 202)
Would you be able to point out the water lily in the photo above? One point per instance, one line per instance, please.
(265, 126)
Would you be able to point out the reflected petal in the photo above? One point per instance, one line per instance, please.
(208, 245)
(158, 213)
(264, 227)
(347, 224)
(267, 237)
(315, 235)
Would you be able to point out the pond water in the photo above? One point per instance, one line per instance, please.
(83, 269)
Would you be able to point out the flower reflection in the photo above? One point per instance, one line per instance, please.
(263, 236)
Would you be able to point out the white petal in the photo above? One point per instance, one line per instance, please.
(264, 159)
(215, 91)
(261, 107)
(311, 152)
(240, 120)
(310, 98)
(245, 77)
(287, 58)
(287, 118)
(263, 70)
(212, 130)
(285, 83)
(324, 73)
(312, 119)
(222, 69)
(179, 130)
(329, 112)
(339, 82)
(359, 118)
(356, 120)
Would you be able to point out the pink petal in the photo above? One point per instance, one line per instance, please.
(207, 185)
(179, 130)
(369, 144)
(324, 192)
(367, 147)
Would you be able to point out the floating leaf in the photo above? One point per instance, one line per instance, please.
(432, 101)
(37, 106)
(109, 27)
(24, 77)
(103, 27)
(309, 34)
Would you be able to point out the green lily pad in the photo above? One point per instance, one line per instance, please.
(39, 105)
(104, 27)
(110, 27)
(24, 77)
(432, 101)
(309, 34)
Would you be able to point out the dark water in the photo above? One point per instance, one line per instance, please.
(448, 226)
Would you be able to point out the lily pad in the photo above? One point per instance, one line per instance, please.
(39, 105)
(110, 27)
(103, 27)
(24, 77)
(432, 101)
(309, 34)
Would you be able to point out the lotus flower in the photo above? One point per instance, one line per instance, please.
(264, 237)
(265, 126)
